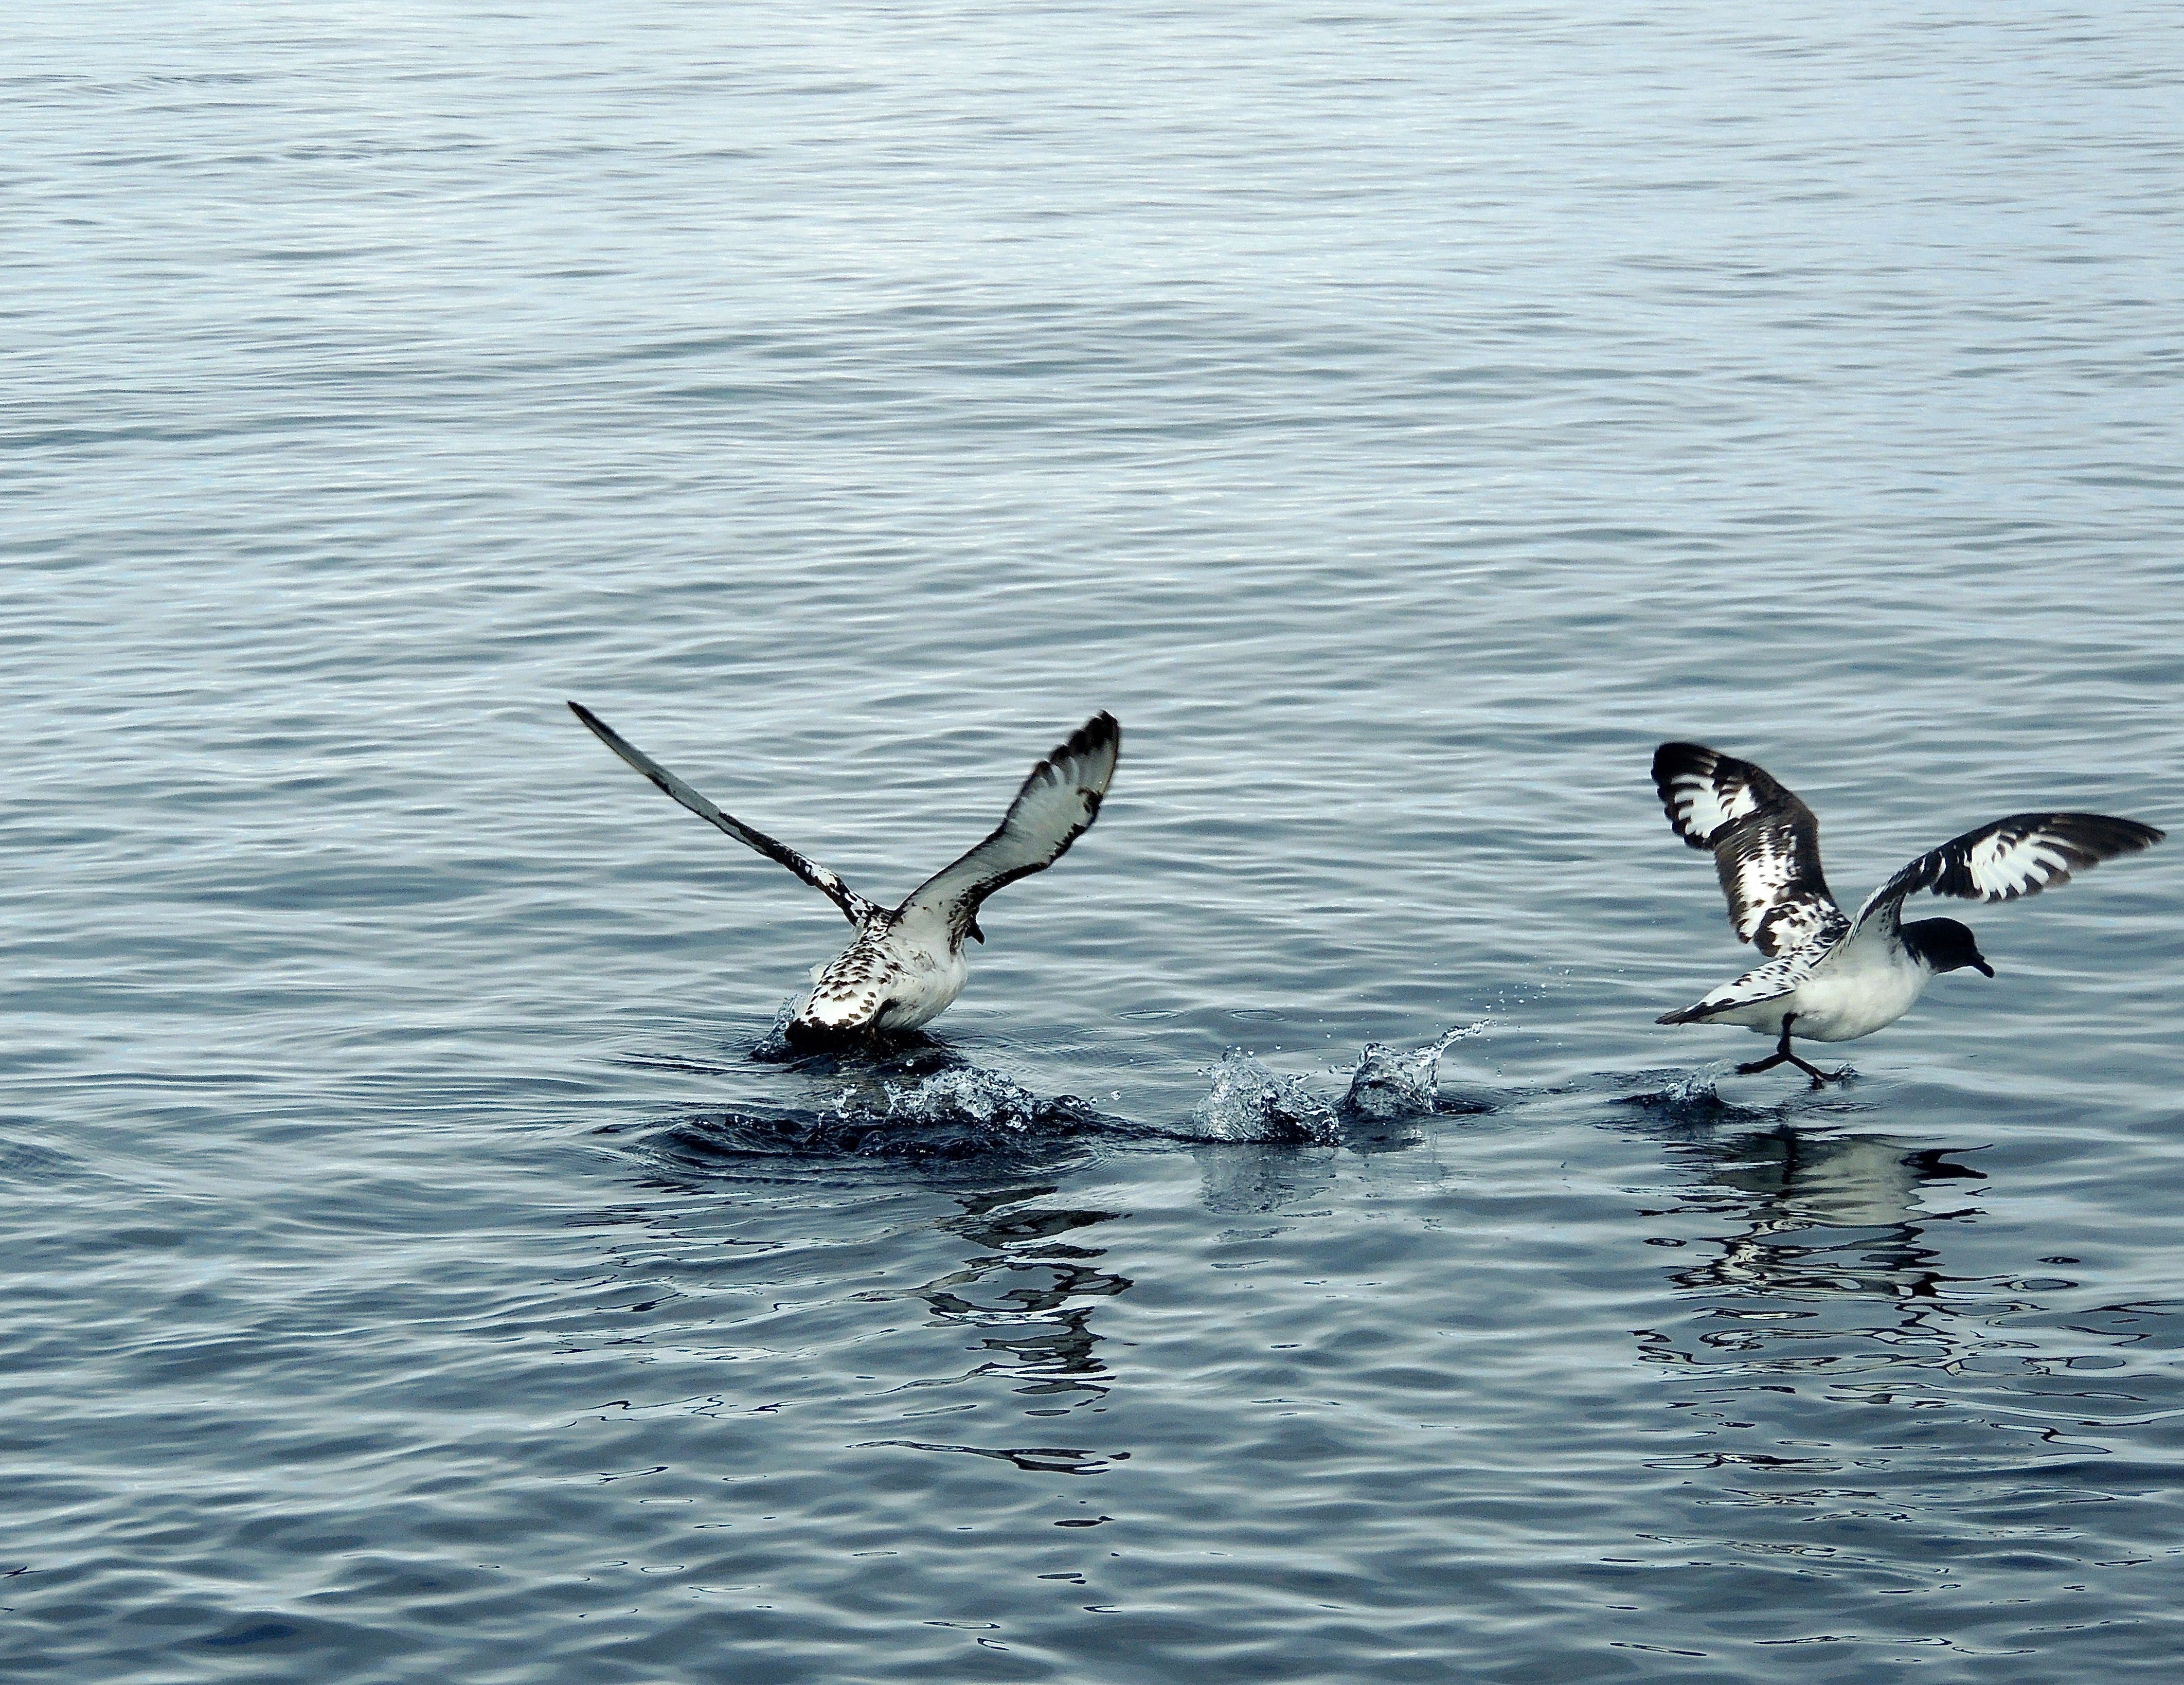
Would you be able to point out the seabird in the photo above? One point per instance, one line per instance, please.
(1837, 978)
(907, 964)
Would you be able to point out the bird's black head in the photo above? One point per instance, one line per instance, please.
(1946, 945)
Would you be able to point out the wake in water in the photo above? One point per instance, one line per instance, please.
(912, 1096)
(1693, 1097)
(956, 1112)
(915, 1098)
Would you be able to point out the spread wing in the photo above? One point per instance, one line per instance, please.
(2021, 855)
(855, 908)
(1057, 806)
(1765, 843)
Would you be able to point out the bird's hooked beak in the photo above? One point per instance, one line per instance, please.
(1978, 963)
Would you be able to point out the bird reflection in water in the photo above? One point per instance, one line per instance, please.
(1825, 1229)
(1029, 1294)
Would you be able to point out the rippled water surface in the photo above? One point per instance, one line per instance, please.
(1299, 1255)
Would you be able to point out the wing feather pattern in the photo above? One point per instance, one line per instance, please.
(854, 907)
(2014, 857)
(1056, 805)
(1765, 843)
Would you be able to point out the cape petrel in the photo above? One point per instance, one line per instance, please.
(907, 964)
(1836, 978)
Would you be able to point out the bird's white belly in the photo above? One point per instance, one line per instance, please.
(1832, 1010)
(1852, 994)
(921, 992)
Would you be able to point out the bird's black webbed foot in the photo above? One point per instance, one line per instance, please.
(1759, 1064)
(1822, 1078)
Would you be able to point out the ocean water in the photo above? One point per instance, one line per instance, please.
(1298, 1255)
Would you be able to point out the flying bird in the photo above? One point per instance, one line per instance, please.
(1835, 978)
(906, 963)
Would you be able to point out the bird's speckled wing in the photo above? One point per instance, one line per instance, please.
(1056, 805)
(2014, 857)
(854, 906)
(1765, 843)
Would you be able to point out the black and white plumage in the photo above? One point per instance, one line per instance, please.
(906, 963)
(1837, 978)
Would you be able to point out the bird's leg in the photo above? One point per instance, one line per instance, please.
(1781, 1052)
(1822, 1078)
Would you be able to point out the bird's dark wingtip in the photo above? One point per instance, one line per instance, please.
(2104, 836)
(1099, 731)
(1674, 757)
(605, 733)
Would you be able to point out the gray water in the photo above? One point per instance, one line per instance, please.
(1401, 418)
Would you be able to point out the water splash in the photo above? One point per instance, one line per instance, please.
(966, 1096)
(1385, 1084)
(1693, 1088)
(1693, 1097)
(1685, 1096)
(774, 1048)
(957, 1111)
(1248, 1102)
